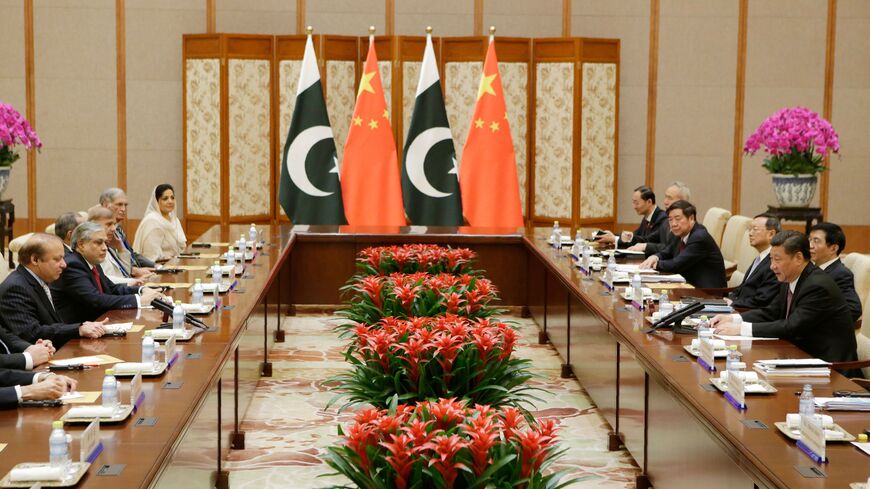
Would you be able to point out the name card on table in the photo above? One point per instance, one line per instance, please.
(91, 446)
(136, 394)
(170, 351)
(812, 440)
(706, 354)
(736, 393)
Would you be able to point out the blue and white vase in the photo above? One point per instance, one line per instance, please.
(4, 179)
(794, 190)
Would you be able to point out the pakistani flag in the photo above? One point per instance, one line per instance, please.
(310, 192)
(430, 175)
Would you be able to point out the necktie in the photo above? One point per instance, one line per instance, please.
(646, 226)
(118, 262)
(754, 264)
(97, 279)
(48, 294)
(788, 303)
(682, 246)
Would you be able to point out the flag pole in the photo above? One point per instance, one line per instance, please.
(371, 34)
(491, 33)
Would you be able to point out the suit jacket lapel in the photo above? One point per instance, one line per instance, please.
(40, 292)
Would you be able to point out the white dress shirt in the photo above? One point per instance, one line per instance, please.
(828, 263)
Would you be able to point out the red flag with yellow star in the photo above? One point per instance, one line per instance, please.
(370, 181)
(488, 174)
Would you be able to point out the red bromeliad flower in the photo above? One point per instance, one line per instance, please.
(446, 412)
(417, 430)
(372, 256)
(402, 256)
(485, 341)
(510, 420)
(400, 458)
(509, 340)
(406, 295)
(453, 301)
(445, 449)
(533, 450)
(371, 287)
(359, 437)
(473, 299)
(378, 348)
(367, 415)
(415, 351)
(448, 347)
(483, 436)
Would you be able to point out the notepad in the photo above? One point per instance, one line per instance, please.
(81, 397)
(843, 403)
(89, 360)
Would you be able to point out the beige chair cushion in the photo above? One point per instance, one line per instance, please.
(714, 221)
(736, 234)
(736, 278)
(18, 242)
(865, 318)
(859, 264)
(863, 351)
(746, 254)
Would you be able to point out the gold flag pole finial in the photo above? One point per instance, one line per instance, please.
(492, 30)
(309, 30)
(428, 29)
(371, 30)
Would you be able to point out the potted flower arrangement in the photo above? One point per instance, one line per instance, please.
(796, 141)
(14, 130)
(447, 444)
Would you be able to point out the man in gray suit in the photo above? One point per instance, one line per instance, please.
(115, 200)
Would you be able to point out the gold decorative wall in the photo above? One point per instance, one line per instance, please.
(202, 133)
(554, 140)
(340, 99)
(249, 123)
(597, 140)
(515, 83)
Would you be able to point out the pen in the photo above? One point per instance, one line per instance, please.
(75, 366)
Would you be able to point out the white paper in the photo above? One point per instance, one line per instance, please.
(39, 473)
(741, 338)
(787, 362)
(130, 367)
(118, 327)
(864, 447)
(91, 412)
(71, 395)
(79, 360)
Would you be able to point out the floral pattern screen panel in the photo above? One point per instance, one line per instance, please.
(202, 131)
(249, 136)
(597, 140)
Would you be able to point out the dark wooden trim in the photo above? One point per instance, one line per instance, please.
(300, 17)
(652, 92)
(121, 89)
(828, 105)
(210, 16)
(390, 17)
(739, 102)
(30, 110)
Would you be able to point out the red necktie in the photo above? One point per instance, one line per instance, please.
(788, 303)
(97, 279)
(682, 246)
(646, 226)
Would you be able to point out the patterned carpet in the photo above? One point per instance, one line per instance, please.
(288, 426)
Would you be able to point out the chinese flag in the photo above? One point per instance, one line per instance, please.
(370, 181)
(488, 174)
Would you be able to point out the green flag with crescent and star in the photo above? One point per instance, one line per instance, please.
(430, 175)
(309, 190)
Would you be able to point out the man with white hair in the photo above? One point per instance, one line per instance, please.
(676, 190)
(115, 199)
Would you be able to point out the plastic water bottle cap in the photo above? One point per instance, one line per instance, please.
(732, 347)
(59, 425)
(147, 333)
(862, 438)
(110, 371)
(177, 303)
(217, 263)
(198, 281)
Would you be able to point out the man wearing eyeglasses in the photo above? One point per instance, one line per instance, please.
(759, 284)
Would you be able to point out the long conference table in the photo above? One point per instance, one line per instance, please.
(650, 391)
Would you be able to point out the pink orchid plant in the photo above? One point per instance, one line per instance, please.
(796, 140)
(14, 130)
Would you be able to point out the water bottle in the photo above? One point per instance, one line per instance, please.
(243, 245)
(110, 390)
(231, 262)
(58, 446)
(703, 326)
(636, 289)
(587, 257)
(196, 295)
(239, 261)
(252, 236)
(216, 273)
(178, 316)
(611, 270)
(556, 235)
(147, 348)
(808, 401)
(732, 358)
(665, 303)
(577, 248)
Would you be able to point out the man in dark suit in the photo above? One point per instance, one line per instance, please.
(17, 386)
(83, 292)
(28, 308)
(827, 241)
(809, 309)
(675, 191)
(694, 255)
(643, 200)
(18, 354)
(64, 226)
(759, 284)
(115, 200)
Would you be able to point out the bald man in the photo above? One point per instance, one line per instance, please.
(27, 308)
